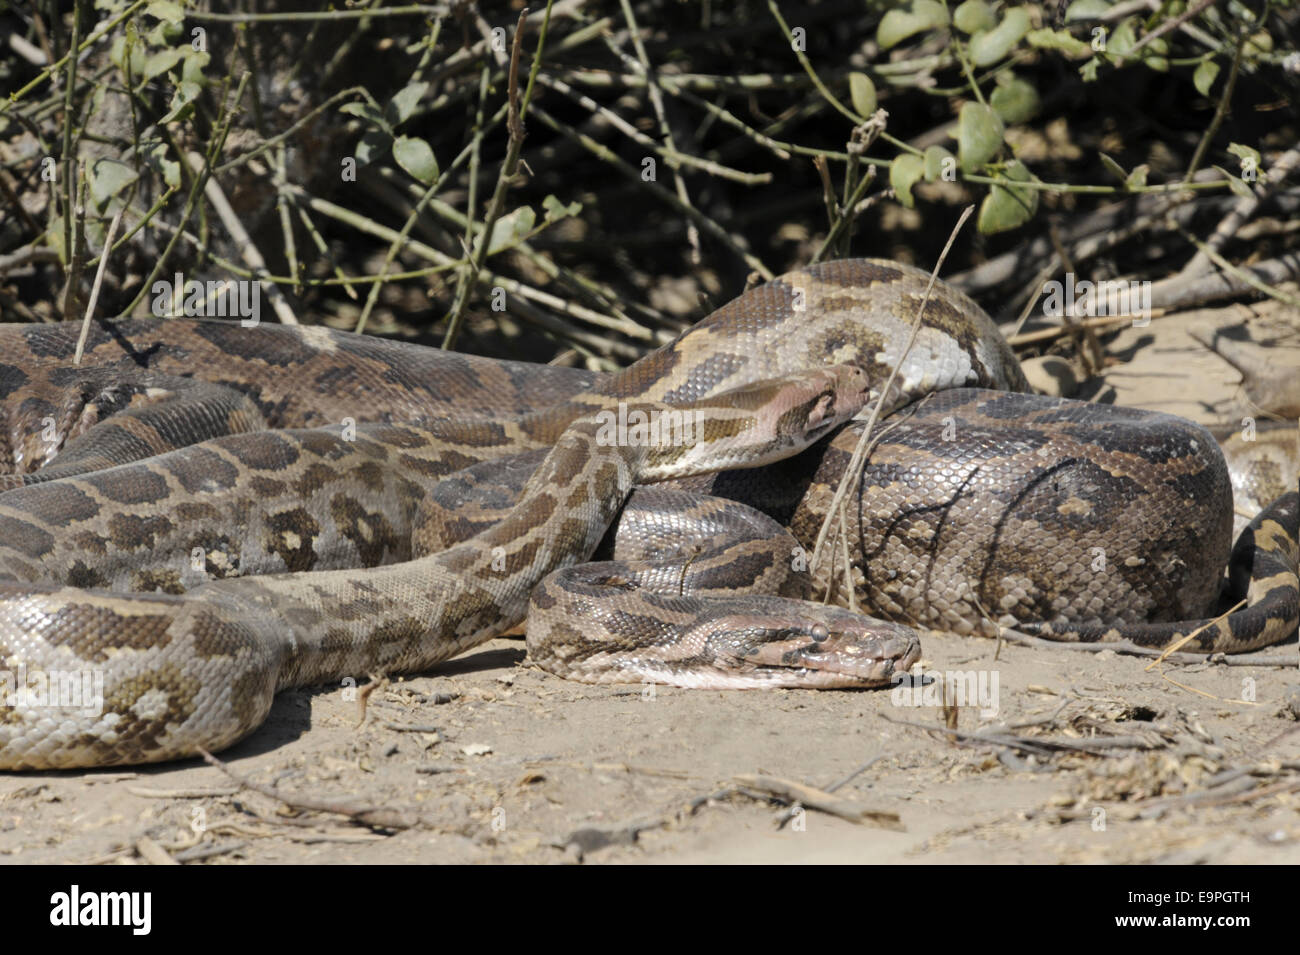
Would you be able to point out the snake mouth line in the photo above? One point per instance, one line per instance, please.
(858, 664)
(877, 675)
(862, 668)
(870, 657)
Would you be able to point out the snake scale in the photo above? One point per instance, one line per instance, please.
(201, 514)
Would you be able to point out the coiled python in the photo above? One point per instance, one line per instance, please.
(376, 430)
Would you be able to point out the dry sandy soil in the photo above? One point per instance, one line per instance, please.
(1103, 757)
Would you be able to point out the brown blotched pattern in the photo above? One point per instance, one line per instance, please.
(282, 558)
(238, 539)
(978, 509)
(983, 509)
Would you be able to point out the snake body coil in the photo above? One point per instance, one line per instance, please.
(299, 515)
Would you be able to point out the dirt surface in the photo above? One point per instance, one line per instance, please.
(492, 761)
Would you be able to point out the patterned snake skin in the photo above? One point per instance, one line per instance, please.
(143, 567)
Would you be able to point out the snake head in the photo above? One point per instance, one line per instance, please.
(810, 646)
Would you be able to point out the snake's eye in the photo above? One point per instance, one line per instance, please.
(819, 632)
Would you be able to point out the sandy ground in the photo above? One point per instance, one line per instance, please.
(1103, 757)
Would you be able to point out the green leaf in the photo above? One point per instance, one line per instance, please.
(162, 61)
(1112, 167)
(195, 64)
(979, 136)
(973, 16)
(153, 153)
(904, 173)
(1087, 10)
(1137, 179)
(166, 10)
(373, 145)
(1015, 100)
(54, 237)
(1121, 39)
(990, 46)
(95, 228)
(365, 111)
(405, 103)
(127, 55)
(1259, 42)
(108, 177)
(1238, 187)
(1204, 76)
(557, 210)
(161, 35)
(1007, 207)
(1058, 40)
(1244, 152)
(862, 93)
(511, 229)
(917, 16)
(1154, 55)
(182, 103)
(935, 159)
(416, 157)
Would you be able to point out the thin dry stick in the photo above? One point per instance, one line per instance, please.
(734, 242)
(413, 217)
(1058, 331)
(1171, 24)
(1242, 210)
(1043, 275)
(808, 67)
(791, 791)
(69, 211)
(286, 222)
(1010, 636)
(854, 469)
(848, 564)
(323, 248)
(782, 150)
(1085, 339)
(218, 143)
(1225, 98)
(828, 189)
(243, 241)
(411, 10)
(94, 289)
(875, 440)
(12, 100)
(592, 290)
(77, 250)
(380, 817)
(842, 219)
(515, 126)
(1241, 274)
(1179, 644)
(441, 260)
(1220, 699)
(671, 156)
(1178, 293)
(657, 104)
(285, 136)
